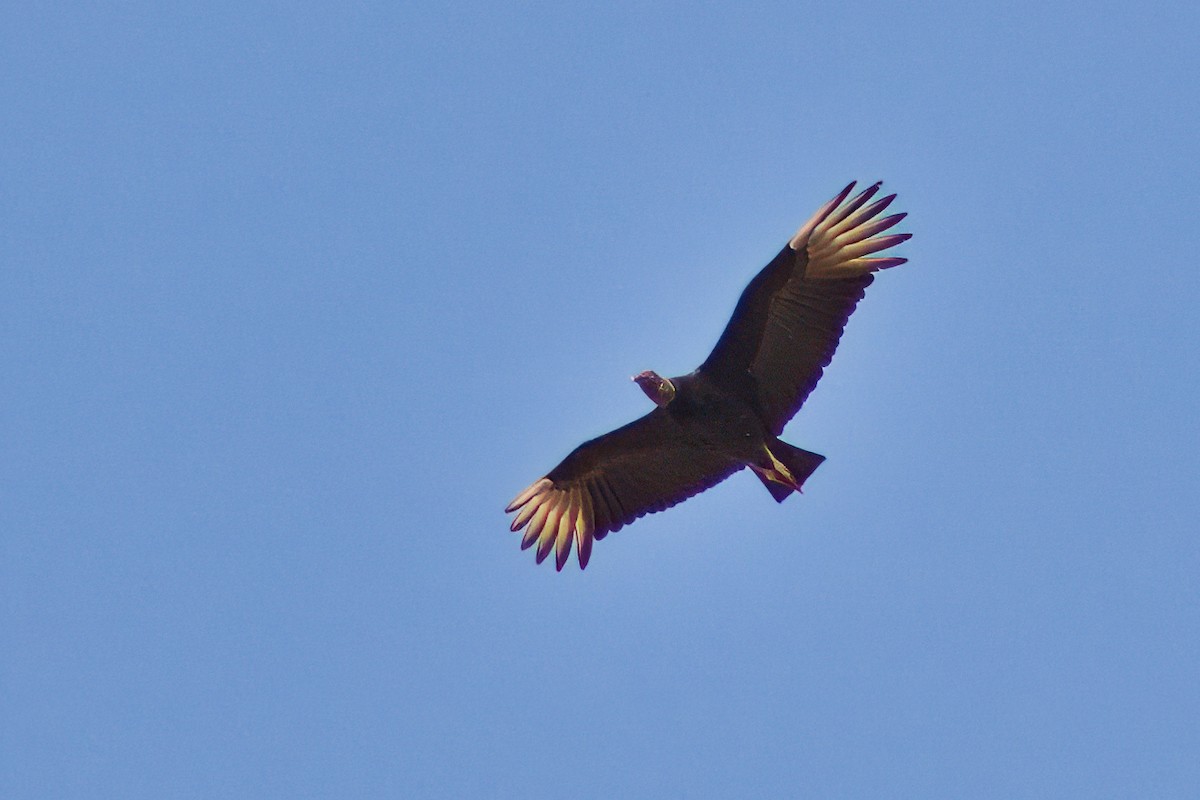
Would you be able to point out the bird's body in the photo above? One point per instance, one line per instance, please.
(704, 417)
(729, 412)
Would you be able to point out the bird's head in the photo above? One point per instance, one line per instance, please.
(656, 387)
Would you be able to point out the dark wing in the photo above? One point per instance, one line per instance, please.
(789, 319)
(606, 483)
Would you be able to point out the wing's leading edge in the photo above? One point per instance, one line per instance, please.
(789, 320)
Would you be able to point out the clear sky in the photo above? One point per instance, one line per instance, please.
(293, 301)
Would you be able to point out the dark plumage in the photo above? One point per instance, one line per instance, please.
(728, 414)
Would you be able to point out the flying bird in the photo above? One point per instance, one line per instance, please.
(729, 412)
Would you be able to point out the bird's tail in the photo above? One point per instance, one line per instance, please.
(785, 468)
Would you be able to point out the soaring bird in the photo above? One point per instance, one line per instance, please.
(729, 412)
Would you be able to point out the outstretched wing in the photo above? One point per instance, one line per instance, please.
(646, 466)
(788, 322)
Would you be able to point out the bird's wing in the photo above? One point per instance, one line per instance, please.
(646, 466)
(788, 321)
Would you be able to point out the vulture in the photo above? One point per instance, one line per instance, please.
(728, 413)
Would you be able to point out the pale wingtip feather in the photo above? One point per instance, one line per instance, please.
(863, 265)
(555, 520)
(801, 236)
(534, 531)
(868, 246)
(545, 542)
(868, 230)
(836, 244)
(523, 517)
(841, 212)
(584, 527)
(531, 491)
(853, 222)
(566, 529)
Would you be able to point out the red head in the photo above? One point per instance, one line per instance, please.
(656, 387)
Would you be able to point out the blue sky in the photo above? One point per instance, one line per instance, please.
(295, 300)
